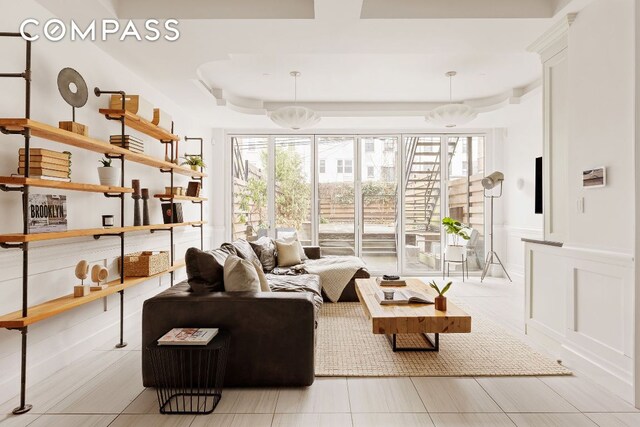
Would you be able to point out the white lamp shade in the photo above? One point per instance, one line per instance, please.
(451, 115)
(294, 117)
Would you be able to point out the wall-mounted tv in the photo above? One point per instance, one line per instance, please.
(538, 208)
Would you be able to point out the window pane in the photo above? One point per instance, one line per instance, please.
(337, 202)
(293, 188)
(249, 187)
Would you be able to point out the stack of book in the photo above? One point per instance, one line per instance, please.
(130, 143)
(46, 164)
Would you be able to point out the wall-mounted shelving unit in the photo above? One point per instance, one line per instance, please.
(27, 128)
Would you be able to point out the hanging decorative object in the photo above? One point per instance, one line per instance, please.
(451, 114)
(294, 116)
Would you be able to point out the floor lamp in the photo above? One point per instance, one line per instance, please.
(489, 183)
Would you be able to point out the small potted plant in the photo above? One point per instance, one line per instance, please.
(440, 300)
(109, 175)
(455, 251)
(194, 161)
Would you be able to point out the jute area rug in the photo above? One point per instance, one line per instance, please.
(346, 347)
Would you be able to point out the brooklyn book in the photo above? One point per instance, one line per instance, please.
(47, 213)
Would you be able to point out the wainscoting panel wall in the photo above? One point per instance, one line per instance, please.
(579, 306)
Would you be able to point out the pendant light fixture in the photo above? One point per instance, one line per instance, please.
(451, 114)
(294, 116)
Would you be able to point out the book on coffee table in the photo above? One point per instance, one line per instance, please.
(404, 296)
(381, 281)
(188, 336)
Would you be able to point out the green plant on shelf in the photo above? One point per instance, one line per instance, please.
(442, 291)
(106, 163)
(193, 161)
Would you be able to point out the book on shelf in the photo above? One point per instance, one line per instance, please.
(45, 159)
(172, 213)
(188, 336)
(404, 296)
(46, 172)
(45, 177)
(381, 281)
(130, 148)
(44, 152)
(45, 165)
(126, 138)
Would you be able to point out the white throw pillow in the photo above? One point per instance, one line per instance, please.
(264, 283)
(294, 238)
(288, 253)
(240, 275)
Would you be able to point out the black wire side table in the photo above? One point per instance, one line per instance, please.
(189, 378)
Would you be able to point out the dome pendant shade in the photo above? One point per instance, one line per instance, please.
(451, 114)
(294, 117)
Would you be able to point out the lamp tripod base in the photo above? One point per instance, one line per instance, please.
(493, 259)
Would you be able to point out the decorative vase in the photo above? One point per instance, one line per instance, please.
(145, 207)
(440, 303)
(109, 175)
(454, 253)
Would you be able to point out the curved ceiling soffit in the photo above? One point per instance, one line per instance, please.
(254, 106)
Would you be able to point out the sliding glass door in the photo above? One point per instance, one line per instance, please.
(379, 197)
(336, 195)
(379, 201)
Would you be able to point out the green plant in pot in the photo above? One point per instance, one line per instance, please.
(194, 162)
(440, 300)
(108, 174)
(455, 251)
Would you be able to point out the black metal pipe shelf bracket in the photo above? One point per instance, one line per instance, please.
(98, 92)
(113, 195)
(98, 236)
(201, 179)
(26, 133)
(7, 188)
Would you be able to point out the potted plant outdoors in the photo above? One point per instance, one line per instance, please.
(455, 251)
(109, 175)
(440, 300)
(194, 162)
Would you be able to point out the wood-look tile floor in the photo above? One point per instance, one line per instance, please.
(105, 389)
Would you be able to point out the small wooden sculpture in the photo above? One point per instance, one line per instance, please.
(82, 271)
(99, 274)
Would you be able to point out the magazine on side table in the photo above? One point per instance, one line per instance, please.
(188, 336)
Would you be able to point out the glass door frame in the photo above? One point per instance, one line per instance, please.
(401, 162)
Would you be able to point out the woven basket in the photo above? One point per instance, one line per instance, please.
(143, 264)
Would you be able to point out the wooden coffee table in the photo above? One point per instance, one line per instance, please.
(420, 319)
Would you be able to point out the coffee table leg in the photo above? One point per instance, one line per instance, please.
(434, 345)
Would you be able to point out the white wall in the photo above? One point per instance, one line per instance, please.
(601, 124)
(519, 145)
(58, 341)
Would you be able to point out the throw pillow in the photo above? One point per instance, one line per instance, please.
(244, 251)
(265, 250)
(294, 238)
(288, 254)
(205, 268)
(264, 283)
(240, 275)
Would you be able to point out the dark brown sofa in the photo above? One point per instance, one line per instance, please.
(272, 333)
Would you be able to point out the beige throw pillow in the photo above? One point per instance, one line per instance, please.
(240, 275)
(288, 253)
(264, 283)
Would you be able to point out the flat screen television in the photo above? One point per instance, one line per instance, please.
(538, 208)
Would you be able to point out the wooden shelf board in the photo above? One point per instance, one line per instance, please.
(138, 123)
(61, 185)
(51, 133)
(68, 302)
(180, 197)
(38, 237)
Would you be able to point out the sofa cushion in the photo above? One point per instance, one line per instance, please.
(205, 269)
(301, 283)
(240, 275)
(288, 253)
(265, 250)
(264, 283)
(244, 250)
